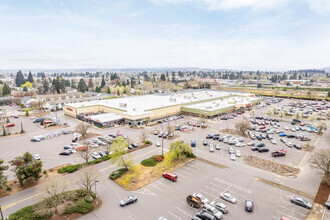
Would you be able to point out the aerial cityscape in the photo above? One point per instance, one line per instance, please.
(165, 110)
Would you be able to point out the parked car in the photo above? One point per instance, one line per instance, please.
(66, 153)
(128, 200)
(102, 154)
(170, 176)
(158, 144)
(205, 143)
(251, 143)
(263, 149)
(278, 154)
(204, 200)
(228, 197)
(282, 134)
(220, 206)
(37, 157)
(35, 139)
(273, 141)
(194, 201)
(10, 125)
(212, 210)
(301, 202)
(217, 147)
(232, 157)
(209, 136)
(238, 153)
(211, 148)
(249, 205)
(204, 215)
(95, 155)
(297, 146)
(231, 150)
(193, 143)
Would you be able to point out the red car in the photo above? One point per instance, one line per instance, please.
(239, 113)
(170, 176)
(262, 127)
(10, 125)
(81, 148)
(12, 104)
(302, 124)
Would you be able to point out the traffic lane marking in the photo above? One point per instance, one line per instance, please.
(15, 203)
(174, 215)
(189, 169)
(159, 182)
(156, 187)
(302, 160)
(193, 166)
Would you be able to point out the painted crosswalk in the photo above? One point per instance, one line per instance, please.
(145, 191)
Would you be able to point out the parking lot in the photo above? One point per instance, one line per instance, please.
(168, 199)
(164, 198)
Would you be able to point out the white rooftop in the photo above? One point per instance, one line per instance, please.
(140, 104)
(105, 117)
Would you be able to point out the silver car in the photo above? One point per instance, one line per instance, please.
(228, 197)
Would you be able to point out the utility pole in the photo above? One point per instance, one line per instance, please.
(1, 213)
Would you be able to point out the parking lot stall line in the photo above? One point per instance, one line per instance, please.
(156, 187)
(184, 171)
(213, 189)
(184, 212)
(181, 175)
(186, 204)
(217, 185)
(193, 166)
(291, 210)
(159, 182)
(186, 168)
(174, 215)
(284, 214)
(204, 192)
(233, 185)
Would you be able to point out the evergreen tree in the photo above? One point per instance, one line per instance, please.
(123, 84)
(3, 178)
(6, 90)
(102, 83)
(73, 84)
(173, 77)
(90, 83)
(162, 77)
(30, 77)
(19, 79)
(45, 86)
(127, 82)
(82, 87)
(109, 91)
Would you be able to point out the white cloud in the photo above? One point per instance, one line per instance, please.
(230, 4)
(319, 6)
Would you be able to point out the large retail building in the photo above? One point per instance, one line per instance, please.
(148, 108)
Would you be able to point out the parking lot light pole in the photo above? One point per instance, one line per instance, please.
(1, 213)
(96, 181)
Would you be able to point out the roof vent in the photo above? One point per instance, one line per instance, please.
(123, 105)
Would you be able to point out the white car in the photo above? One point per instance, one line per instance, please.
(286, 128)
(96, 155)
(239, 144)
(232, 157)
(158, 144)
(273, 141)
(93, 145)
(238, 153)
(289, 144)
(203, 199)
(36, 157)
(251, 143)
(293, 129)
(228, 197)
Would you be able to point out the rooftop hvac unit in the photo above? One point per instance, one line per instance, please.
(123, 105)
(172, 99)
(208, 107)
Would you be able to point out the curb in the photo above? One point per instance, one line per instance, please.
(285, 187)
(212, 163)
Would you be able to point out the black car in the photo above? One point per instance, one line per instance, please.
(66, 153)
(327, 205)
(205, 143)
(128, 200)
(221, 138)
(291, 136)
(209, 136)
(216, 137)
(224, 118)
(205, 215)
(301, 202)
(135, 145)
(249, 205)
(74, 139)
(263, 149)
(68, 147)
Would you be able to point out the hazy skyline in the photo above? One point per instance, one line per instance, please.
(226, 34)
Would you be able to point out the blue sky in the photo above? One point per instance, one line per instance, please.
(231, 34)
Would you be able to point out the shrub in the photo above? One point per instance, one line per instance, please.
(45, 172)
(69, 169)
(147, 142)
(94, 161)
(150, 162)
(83, 207)
(89, 199)
(191, 155)
(29, 213)
(8, 188)
(117, 173)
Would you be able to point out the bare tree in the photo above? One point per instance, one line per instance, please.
(242, 127)
(143, 136)
(86, 154)
(169, 128)
(82, 128)
(321, 160)
(87, 177)
(54, 188)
